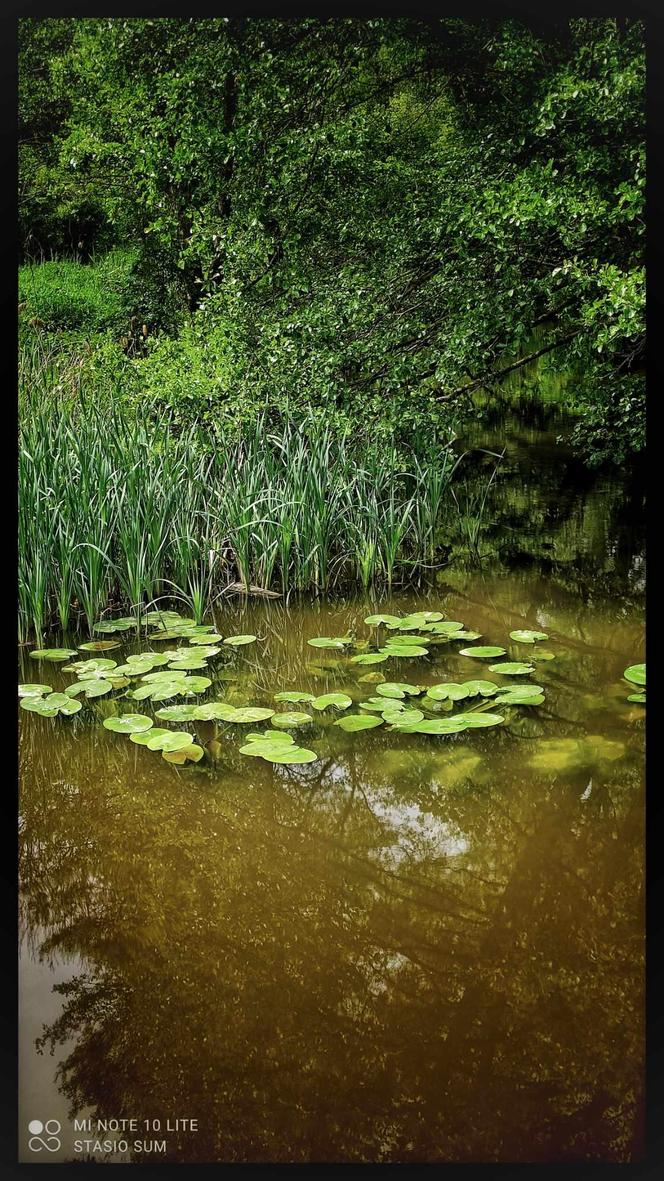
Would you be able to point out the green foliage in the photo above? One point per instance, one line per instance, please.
(364, 218)
(86, 299)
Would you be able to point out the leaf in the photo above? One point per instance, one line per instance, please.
(512, 668)
(249, 713)
(404, 650)
(450, 627)
(482, 653)
(238, 641)
(399, 689)
(209, 638)
(37, 705)
(432, 726)
(54, 654)
(377, 620)
(143, 737)
(214, 711)
(170, 740)
(476, 721)
(401, 716)
(481, 688)
(114, 625)
(338, 700)
(294, 696)
(527, 637)
(177, 713)
(94, 687)
(33, 690)
(354, 722)
(128, 724)
(293, 718)
(99, 645)
(636, 674)
(448, 692)
(637, 697)
(369, 658)
(330, 642)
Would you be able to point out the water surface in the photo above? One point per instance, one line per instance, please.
(414, 949)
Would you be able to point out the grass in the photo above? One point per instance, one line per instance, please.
(119, 512)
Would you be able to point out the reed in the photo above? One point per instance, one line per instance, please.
(119, 512)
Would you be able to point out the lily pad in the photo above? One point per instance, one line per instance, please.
(481, 688)
(404, 650)
(37, 705)
(294, 696)
(170, 740)
(128, 724)
(107, 627)
(354, 722)
(177, 713)
(81, 667)
(214, 711)
(465, 635)
(432, 726)
(330, 642)
(99, 645)
(541, 654)
(482, 652)
(293, 718)
(271, 735)
(144, 736)
(372, 678)
(512, 668)
(369, 658)
(477, 721)
(450, 691)
(238, 641)
(377, 620)
(378, 705)
(523, 636)
(250, 713)
(33, 690)
(401, 716)
(54, 654)
(640, 698)
(448, 627)
(399, 689)
(338, 700)
(192, 753)
(285, 754)
(209, 638)
(187, 663)
(93, 687)
(636, 674)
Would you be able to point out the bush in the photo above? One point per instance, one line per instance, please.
(67, 295)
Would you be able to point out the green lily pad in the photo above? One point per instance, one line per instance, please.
(158, 690)
(170, 740)
(432, 726)
(372, 678)
(188, 663)
(33, 690)
(99, 645)
(294, 696)
(448, 692)
(177, 713)
(114, 625)
(399, 689)
(519, 691)
(330, 642)
(541, 654)
(287, 754)
(238, 641)
(512, 668)
(404, 650)
(271, 736)
(354, 722)
(209, 638)
(338, 700)
(293, 718)
(93, 687)
(448, 627)
(54, 654)
(481, 688)
(214, 711)
(466, 635)
(477, 721)
(37, 705)
(378, 705)
(128, 724)
(637, 697)
(522, 636)
(377, 620)
(482, 653)
(192, 753)
(250, 713)
(81, 667)
(401, 716)
(636, 674)
(144, 736)
(369, 658)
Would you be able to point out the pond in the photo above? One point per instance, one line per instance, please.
(418, 947)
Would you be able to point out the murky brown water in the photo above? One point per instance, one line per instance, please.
(415, 949)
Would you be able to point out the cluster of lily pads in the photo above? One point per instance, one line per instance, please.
(636, 675)
(161, 676)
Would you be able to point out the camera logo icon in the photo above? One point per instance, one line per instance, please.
(44, 1136)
